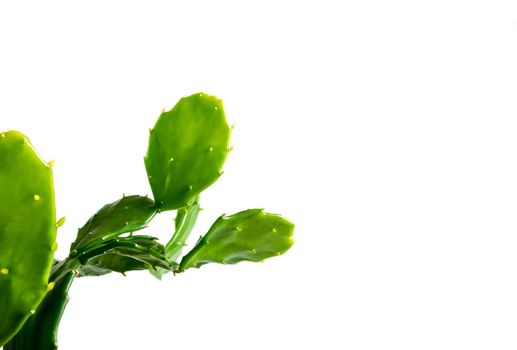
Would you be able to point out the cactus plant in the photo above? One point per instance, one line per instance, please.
(186, 152)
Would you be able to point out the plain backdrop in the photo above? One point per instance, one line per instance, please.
(386, 130)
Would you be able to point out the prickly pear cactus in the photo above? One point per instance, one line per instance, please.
(250, 235)
(27, 231)
(187, 149)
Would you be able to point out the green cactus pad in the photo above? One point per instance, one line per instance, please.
(27, 231)
(187, 149)
(108, 263)
(250, 235)
(125, 254)
(128, 214)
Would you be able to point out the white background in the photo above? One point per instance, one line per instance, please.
(384, 129)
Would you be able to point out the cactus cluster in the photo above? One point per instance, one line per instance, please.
(186, 152)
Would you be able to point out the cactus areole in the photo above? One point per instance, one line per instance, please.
(186, 152)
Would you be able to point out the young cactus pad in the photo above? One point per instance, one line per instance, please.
(187, 149)
(128, 214)
(27, 231)
(251, 235)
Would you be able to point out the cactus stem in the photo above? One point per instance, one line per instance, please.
(4, 271)
(37, 197)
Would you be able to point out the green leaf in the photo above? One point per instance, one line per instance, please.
(250, 235)
(27, 231)
(128, 214)
(187, 149)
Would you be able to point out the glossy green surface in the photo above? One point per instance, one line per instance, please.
(128, 214)
(251, 235)
(187, 149)
(27, 231)
(124, 254)
(108, 263)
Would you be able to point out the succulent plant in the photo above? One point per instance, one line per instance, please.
(187, 149)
